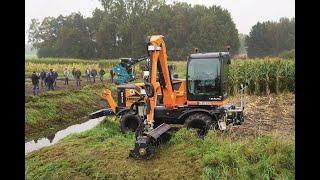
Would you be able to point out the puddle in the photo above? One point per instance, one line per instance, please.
(50, 140)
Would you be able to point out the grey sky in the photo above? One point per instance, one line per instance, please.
(245, 13)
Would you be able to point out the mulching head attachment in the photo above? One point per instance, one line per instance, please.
(145, 146)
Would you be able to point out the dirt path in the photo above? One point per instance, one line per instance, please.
(274, 114)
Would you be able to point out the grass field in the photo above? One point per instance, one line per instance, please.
(102, 153)
(261, 148)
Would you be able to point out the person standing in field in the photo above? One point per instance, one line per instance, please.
(35, 82)
(73, 73)
(94, 74)
(77, 75)
(88, 74)
(66, 76)
(55, 76)
(101, 74)
(50, 80)
(43, 78)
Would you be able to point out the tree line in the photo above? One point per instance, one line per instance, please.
(272, 38)
(121, 28)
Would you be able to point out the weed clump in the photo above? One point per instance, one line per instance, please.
(260, 158)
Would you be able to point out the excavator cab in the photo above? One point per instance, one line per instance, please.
(206, 76)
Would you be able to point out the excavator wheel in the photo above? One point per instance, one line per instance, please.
(129, 122)
(199, 121)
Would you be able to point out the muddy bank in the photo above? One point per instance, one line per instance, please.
(52, 111)
(37, 144)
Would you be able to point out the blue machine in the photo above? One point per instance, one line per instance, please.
(124, 71)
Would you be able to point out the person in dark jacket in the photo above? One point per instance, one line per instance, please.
(94, 74)
(73, 73)
(35, 82)
(43, 78)
(77, 74)
(55, 75)
(50, 80)
(101, 74)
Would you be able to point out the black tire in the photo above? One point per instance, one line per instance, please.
(199, 121)
(129, 122)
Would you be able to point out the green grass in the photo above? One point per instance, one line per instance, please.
(261, 158)
(102, 153)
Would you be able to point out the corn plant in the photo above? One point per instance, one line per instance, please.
(278, 63)
(267, 78)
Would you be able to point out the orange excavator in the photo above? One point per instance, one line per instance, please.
(162, 104)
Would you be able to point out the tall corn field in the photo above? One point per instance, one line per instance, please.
(265, 76)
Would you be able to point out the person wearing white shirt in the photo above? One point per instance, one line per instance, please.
(66, 76)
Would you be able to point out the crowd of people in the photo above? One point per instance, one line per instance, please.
(49, 79)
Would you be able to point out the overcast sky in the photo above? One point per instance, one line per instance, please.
(245, 13)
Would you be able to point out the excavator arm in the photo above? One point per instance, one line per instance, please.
(108, 111)
(147, 136)
(158, 59)
(137, 60)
